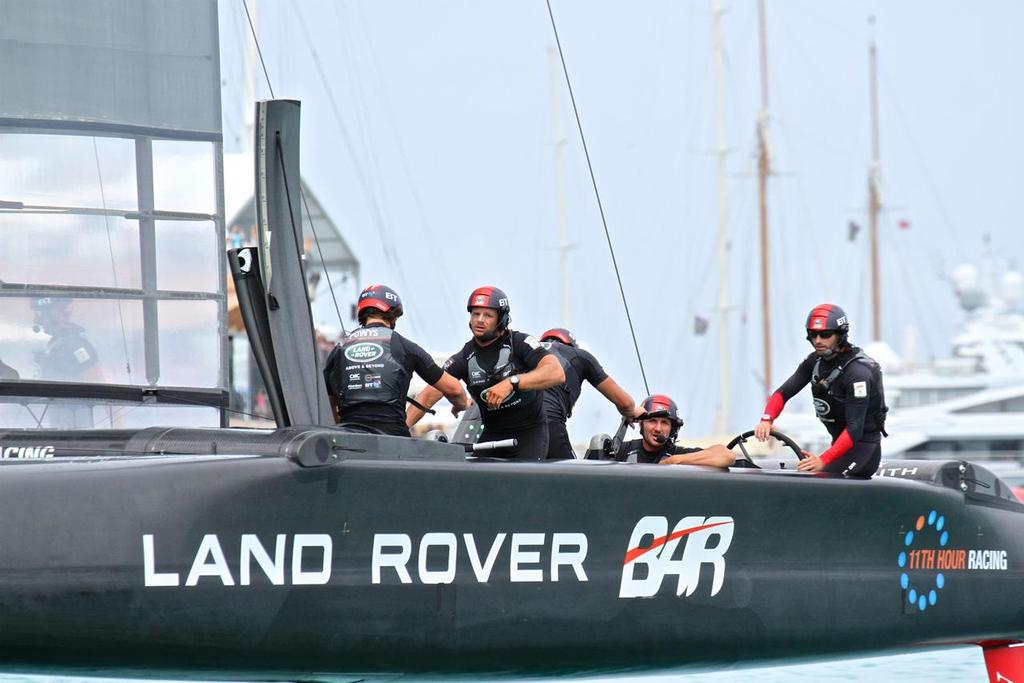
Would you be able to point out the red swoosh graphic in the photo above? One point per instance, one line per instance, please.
(636, 552)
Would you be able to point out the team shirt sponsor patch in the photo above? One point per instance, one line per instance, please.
(532, 341)
(82, 355)
(860, 389)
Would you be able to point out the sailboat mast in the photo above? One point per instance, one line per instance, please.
(563, 240)
(763, 169)
(874, 198)
(722, 412)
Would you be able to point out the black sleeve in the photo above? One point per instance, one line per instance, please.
(456, 365)
(421, 362)
(329, 365)
(799, 379)
(528, 350)
(589, 368)
(856, 390)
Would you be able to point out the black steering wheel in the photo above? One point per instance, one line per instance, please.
(741, 439)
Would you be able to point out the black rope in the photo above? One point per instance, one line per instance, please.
(597, 194)
(252, 29)
(323, 261)
(297, 236)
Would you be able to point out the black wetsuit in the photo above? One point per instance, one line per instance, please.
(849, 399)
(369, 373)
(68, 355)
(521, 415)
(578, 365)
(633, 451)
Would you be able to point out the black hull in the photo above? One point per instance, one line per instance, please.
(810, 571)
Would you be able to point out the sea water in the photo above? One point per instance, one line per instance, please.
(955, 665)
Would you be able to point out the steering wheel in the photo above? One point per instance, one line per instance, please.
(741, 439)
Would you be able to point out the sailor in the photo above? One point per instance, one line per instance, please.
(506, 372)
(578, 365)
(848, 397)
(369, 371)
(68, 356)
(659, 427)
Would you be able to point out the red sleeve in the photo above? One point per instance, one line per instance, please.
(774, 405)
(838, 448)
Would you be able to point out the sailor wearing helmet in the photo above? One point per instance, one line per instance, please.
(848, 397)
(369, 372)
(68, 356)
(659, 427)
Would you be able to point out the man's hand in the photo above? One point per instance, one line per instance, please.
(458, 409)
(631, 415)
(763, 430)
(811, 463)
(498, 393)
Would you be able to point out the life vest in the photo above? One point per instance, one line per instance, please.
(829, 406)
(370, 373)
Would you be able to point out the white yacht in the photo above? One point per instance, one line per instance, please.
(968, 406)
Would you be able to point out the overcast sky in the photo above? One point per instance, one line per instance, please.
(429, 138)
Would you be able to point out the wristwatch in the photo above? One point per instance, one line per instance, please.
(514, 379)
(767, 418)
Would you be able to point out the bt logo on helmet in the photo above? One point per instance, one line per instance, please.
(841, 321)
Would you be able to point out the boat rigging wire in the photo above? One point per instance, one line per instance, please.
(305, 203)
(597, 194)
(113, 261)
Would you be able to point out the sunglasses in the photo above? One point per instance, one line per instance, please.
(824, 334)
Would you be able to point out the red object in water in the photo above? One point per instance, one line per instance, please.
(1004, 661)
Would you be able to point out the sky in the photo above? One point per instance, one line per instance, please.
(429, 136)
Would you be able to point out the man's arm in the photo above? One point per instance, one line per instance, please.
(426, 398)
(548, 373)
(453, 391)
(611, 390)
(716, 456)
(790, 388)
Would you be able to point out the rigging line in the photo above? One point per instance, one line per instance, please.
(323, 261)
(597, 194)
(113, 262)
(297, 236)
(259, 50)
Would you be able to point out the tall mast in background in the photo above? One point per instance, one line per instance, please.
(763, 171)
(250, 61)
(563, 240)
(874, 198)
(722, 410)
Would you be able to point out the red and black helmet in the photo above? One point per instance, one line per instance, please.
(660, 405)
(381, 298)
(828, 317)
(491, 297)
(559, 334)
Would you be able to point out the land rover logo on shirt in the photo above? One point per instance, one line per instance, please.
(364, 352)
(821, 407)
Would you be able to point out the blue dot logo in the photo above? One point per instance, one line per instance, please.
(928, 534)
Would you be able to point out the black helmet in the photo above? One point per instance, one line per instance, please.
(559, 334)
(381, 298)
(828, 317)
(50, 303)
(491, 297)
(660, 405)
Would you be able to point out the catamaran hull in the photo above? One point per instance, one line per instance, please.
(241, 566)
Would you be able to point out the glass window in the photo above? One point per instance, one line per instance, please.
(35, 413)
(188, 254)
(183, 176)
(68, 170)
(190, 344)
(63, 249)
